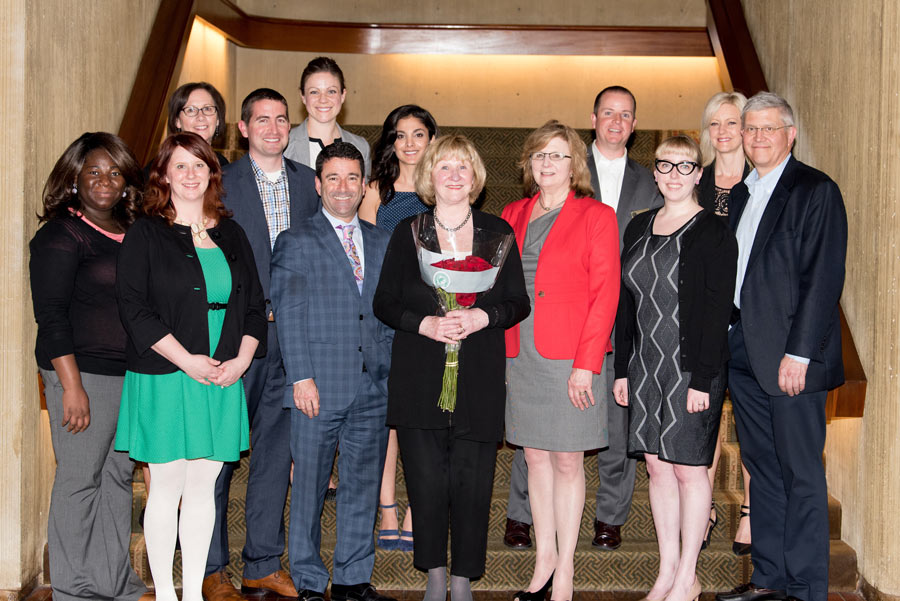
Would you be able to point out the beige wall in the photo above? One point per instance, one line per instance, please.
(210, 57)
(837, 63)
(499, 91)
(65, 68)
(651, 13)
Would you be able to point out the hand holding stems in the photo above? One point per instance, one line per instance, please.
(75, 401)
(306, 397)
(579, 388)
(620, 391)
(454, 326)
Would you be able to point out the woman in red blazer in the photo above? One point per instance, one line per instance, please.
(556, 408)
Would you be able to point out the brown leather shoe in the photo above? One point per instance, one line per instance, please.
(277, 582)
(218, 587)
(148, 596)
(606, 536)
(518, 534)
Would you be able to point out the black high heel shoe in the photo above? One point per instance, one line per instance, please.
(539, 595)
(711, 527)
(742, 548)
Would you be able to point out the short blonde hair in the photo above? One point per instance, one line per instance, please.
(445, 147)
(736, 99)
(539, 138)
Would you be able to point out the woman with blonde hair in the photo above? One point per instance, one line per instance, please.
(724, 166)
(556, 408)
(678, 271)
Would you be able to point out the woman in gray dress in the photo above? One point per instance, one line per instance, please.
(555, 408)
(678, 271)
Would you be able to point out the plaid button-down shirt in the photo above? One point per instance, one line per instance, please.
(275, 200)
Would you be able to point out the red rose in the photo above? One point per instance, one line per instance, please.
(466, 299)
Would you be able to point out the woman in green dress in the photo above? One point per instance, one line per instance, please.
(193, 309)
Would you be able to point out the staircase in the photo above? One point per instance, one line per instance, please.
(632, 567)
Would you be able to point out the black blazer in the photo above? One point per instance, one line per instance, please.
(706, 189)
(706, 273)
(161, 290)
(403, 300)
(242, 197)
(794, 278)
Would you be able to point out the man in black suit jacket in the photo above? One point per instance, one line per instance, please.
(785, 345)
(267, 193)
(630, 189)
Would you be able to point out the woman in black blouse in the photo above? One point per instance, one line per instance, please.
(448, 456)
(678, 272)
(89, 202)
(724, 166)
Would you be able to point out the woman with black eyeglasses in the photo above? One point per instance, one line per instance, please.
(199, 108)
(678, 272)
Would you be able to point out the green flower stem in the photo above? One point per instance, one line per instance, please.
(447, 400)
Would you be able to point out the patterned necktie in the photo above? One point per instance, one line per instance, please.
(352, 254)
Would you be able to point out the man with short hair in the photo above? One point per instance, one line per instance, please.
(337, 356)
(629, 189)
(785, 344)
(267, 193)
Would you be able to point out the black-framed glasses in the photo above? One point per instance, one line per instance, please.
(684, 167)
(554, 157)
(191, 111)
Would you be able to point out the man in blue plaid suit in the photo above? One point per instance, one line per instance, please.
(337, 357)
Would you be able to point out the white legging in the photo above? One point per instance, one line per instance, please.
(192, 482)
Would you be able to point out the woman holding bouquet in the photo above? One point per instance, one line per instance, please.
(448, 456)
(679, 265)
(556, 409)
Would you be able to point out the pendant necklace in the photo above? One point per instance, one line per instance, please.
(453, 229)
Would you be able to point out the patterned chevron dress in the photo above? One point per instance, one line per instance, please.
(659, 423)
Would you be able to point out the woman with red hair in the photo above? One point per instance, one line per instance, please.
(192, 306)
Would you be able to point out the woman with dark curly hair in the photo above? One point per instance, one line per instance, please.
(193, 308)
(89, 202)
(390, 198)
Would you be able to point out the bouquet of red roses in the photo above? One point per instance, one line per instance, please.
(457, 276)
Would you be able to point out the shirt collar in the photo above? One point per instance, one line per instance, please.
(768, 181)
(605, 162)
(335, 222)
(260, 174)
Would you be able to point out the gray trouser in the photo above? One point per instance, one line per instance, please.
(616, 469)
(89, 528)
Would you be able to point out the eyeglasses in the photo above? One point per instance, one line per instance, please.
(766, 130)
(684, 167)
(554, 157)
(191, 111)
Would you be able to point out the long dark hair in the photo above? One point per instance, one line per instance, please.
(179, 100)
(386, 167)
(58, 195)
(158, 196)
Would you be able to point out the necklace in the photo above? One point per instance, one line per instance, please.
(198, 230)
(453, 229)
(545, 207)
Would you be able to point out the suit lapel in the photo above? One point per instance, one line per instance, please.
(373, 257)
(770, 216)
(626, 195)
(250, 191)
(328, 238)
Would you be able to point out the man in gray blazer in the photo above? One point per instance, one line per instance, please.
(337, 357)
(628, 188)
(266, 193)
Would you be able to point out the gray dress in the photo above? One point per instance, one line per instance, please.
(659, 423)
(539, 414)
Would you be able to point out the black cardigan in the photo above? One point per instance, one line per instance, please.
(706, 274)
(706, 189)
(161, 290)
(73, 289)
(403, 300)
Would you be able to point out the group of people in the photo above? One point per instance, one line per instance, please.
(278, 304)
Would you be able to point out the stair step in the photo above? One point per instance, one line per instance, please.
(632, 567)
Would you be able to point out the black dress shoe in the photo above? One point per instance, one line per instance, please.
(518, 534)
(308, 595)
(606, 536)
(751, 592)
(356, 592)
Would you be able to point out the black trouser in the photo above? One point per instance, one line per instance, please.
(449, 481)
